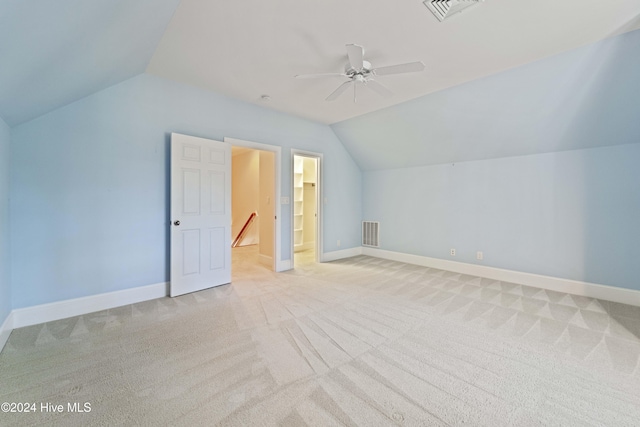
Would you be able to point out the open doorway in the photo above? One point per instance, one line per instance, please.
(278, 263)
(306, 208)
(252, 208)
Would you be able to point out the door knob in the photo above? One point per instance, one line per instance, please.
(176, 223)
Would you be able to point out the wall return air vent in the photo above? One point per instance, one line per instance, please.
(444, 9)
(371, 234)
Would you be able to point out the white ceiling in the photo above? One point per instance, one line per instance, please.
(236, 151)
(54, 53)
(248, 48)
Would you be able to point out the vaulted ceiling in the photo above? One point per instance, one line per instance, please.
(54, 52)
(248, 48)
(585, 98)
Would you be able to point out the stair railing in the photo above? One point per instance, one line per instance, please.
(244, 230)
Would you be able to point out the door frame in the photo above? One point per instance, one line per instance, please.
(278, 264)
(319, 199)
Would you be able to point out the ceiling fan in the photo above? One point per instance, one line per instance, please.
(358, 70)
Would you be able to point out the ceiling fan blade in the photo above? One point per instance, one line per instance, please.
(379, 88)
(356, 56)
(410, 67)
(313, 76)
(336, 93)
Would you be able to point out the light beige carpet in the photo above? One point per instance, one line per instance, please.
(359, 342)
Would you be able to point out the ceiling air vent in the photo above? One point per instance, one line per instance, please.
(443, 9)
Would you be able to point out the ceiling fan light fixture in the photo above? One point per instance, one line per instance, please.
(444, 9)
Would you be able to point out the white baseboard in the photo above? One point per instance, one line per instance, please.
(575, 287)
(5, 330)
(75, 307)
(265, 260)
(344, 253)
(325, 257)
(283, 265)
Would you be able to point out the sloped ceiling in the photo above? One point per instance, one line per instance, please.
(470, 103)
(56, 52)
(588, 97)
(248, 48)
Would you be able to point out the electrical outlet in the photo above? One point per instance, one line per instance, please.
(338, 243)
(479, 255)
(453, 252)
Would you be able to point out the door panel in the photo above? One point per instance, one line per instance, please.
(190, 252)
(218, 187)
(200, 214)
(217, 245)
(191, 190)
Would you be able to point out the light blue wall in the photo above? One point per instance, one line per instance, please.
(90, 184)
(572, 214)
(546, 176)
(5, 274)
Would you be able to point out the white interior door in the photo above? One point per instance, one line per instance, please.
(200, 214)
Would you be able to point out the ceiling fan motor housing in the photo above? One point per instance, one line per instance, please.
(365, 71)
